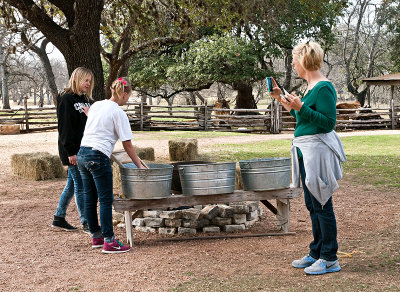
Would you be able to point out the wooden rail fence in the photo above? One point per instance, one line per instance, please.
(270, 119)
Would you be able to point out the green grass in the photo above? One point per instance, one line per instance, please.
(236, 152)
(371, 159)
(183, 135)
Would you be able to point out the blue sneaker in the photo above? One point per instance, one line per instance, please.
(321, 267)
(304, 262)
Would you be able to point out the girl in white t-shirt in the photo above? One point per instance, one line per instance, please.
(106, 123)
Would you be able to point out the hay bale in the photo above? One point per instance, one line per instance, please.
(37, 166)
(145, 153)
(9, 129)
(117, 184)
(183, 149)
(238, 179)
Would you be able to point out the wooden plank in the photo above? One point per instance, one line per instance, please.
(364, 121)
(269, 206)
(248, 117)
(40, 129)
(282, 216)
(224, 236)
(181, 200)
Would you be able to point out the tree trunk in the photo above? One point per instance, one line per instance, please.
(44, 59)
(34, 95)
(288, 69)
(192, 100)
(90, 59)
(244, 98)
(112, 75)
(41, 96)
(220, 92)
(4, 80)
(80, 42)
(123, 71)
(199, 96)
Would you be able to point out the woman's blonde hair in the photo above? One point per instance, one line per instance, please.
(78, 76)
(120, 86)
(310, 55)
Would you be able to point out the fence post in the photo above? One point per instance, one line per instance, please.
(141, 115)
(279, 117)
(393, 115)
(26, 114)
(275, 116)
(205, 115)
(272, 113)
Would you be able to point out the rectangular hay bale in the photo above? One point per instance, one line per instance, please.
(37, 166)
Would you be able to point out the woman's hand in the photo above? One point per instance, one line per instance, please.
(72, 160)
(85, 110)
(276, 93)
(293, 101)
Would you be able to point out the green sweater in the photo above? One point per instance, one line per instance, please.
(318, 113)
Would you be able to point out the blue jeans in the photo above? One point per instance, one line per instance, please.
(95, 169)
(74, 185)
(325, 245)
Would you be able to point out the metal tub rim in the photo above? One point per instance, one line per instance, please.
(143, 184)
(213, 174)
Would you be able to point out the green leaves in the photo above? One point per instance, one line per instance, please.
(224, 59)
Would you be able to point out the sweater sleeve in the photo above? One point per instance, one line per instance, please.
(66, 125)
(324, 114)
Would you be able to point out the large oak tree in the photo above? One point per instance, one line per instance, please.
(76, 34)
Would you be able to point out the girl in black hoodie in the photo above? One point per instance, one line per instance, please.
(72, 107)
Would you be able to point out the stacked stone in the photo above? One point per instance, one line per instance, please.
(208, 219)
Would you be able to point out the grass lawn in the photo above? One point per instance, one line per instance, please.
(375, 159)
(372, 161)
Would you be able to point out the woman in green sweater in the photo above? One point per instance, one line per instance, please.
(315, 115)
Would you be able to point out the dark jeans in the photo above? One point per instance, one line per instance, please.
(325, 245)
(96, 174)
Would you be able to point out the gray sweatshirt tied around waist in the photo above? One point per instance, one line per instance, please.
(322, 157)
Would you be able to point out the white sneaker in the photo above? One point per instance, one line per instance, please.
(304, 262)
(322, 267)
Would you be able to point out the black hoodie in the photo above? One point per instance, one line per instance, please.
(71, 124)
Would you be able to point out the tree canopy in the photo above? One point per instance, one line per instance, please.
(239, 57)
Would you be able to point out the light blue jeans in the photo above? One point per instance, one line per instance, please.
(74, 185)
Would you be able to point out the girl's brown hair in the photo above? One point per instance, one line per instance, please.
(120, 86)
(78, 76)
(310, 55)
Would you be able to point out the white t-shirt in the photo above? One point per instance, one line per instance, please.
(106, 123)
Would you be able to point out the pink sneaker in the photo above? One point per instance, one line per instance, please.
(97, 242)
(115, 247)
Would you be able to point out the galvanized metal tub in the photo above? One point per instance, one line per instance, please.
(152, 183)
(176, 187)
(265, 173)
(207, 179)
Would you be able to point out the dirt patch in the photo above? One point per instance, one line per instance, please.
(34, 257)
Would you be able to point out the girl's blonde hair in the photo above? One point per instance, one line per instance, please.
(120, 86)
(310, 55)
(78, 76)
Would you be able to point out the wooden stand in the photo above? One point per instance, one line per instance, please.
(281, 211)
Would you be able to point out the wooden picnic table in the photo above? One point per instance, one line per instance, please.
(281, 210)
